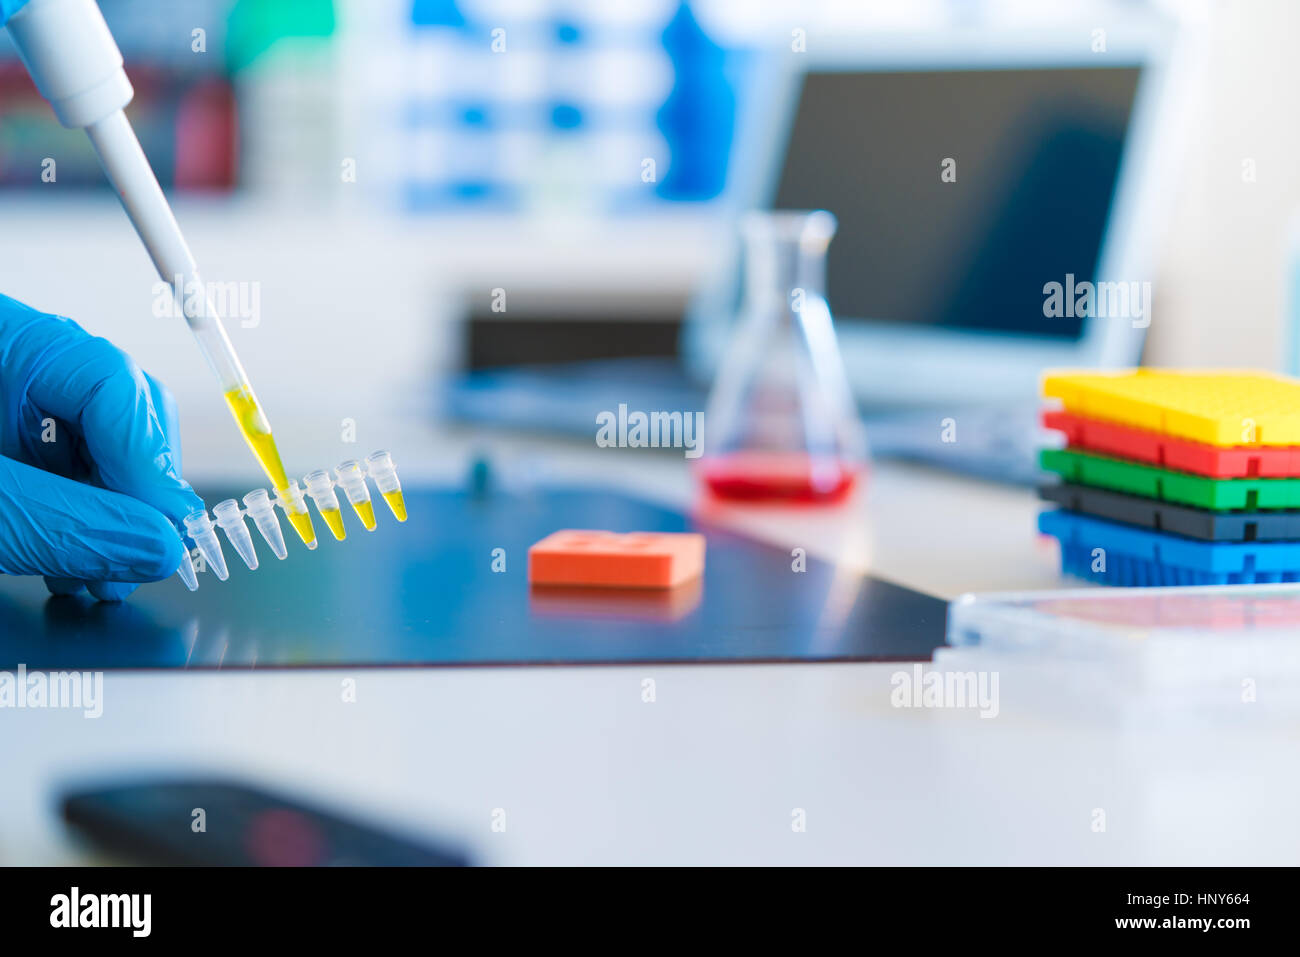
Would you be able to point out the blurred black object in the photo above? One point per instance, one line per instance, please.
(219, 823)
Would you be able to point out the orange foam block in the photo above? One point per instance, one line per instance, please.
(634, 560)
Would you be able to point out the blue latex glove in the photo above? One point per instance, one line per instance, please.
(8, 8)
(100, 505)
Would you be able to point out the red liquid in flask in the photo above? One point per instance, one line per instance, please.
(781, 419)
(791, 477)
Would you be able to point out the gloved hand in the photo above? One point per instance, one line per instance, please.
(90, 486)
(8, 8)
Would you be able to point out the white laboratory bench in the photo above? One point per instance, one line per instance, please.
(713, 770)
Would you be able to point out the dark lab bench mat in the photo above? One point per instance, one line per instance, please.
(425, 593)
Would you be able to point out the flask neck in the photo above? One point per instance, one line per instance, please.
(785, 258)
(783, 270)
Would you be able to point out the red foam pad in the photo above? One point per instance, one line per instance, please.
(633, 560)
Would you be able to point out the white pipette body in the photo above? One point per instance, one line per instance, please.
(75, 63)
(73, 60)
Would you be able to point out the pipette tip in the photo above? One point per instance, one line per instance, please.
(295, 507)
(321, 489)
(396, 504)
(352, 479)
(203, 533)
(262, 510)
(380, 466)
(231, 519)
(301, 522)
(259, 505)
(366, 512)
(186, 571)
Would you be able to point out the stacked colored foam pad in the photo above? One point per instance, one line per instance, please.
(1175, 478)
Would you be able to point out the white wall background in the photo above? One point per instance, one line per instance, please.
(1221, 299)
(359, 313)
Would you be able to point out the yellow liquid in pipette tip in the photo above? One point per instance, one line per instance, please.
(301, 522)
(252, 423)
(366, 512)
(397, 504)
(334, 519)
(254, 427)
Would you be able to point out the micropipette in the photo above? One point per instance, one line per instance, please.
(75, 63)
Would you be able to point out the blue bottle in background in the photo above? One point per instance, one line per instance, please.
(698, 118)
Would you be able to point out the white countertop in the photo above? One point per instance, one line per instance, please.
(713, 770)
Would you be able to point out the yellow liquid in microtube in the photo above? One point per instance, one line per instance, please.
(366, 512)
(301, 522)
(252, 423)
(396, 503)
(334, 519)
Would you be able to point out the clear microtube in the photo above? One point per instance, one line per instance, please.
(381, 469)
(231, 519)
(352, 479)
(200, 528)
(262, 511)
(321, 489)
(295, 507)
(186, 570)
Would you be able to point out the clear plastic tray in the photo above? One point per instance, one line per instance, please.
(1161, 636)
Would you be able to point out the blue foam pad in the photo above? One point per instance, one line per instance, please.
(1136, 556)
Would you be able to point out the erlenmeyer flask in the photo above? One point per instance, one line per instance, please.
(781, 422)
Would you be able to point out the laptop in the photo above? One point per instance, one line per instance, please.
(999, 196)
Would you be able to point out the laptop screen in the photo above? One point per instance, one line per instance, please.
(960, 193)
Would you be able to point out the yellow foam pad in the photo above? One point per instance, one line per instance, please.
(1217, 407)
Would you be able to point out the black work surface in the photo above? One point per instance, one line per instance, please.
(425, 593)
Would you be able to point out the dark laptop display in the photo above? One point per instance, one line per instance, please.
(1026, 199)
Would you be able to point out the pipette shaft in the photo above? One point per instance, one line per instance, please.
(76, 65)
(132, 177)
